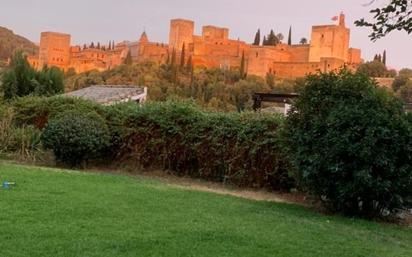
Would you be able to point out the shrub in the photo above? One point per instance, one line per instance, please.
(76, 137)
(6, 119)
(350, 143)
(25, 142)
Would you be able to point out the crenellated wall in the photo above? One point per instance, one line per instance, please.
(328, 50)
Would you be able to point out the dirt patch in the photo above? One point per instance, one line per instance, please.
(187, 183)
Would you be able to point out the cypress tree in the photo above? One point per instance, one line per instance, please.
(173, 67)
(384, 57)
(128, 60)
(182, 56)
(290, 36)
(257, 38)
(264, 41)
(84, 46)
(242, 66)
(92, 45)
(168, 58)
(189, 64)
(98, 45)
(191, 69)
(272, 40)
(380, 58)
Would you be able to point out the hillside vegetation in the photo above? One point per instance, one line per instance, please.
(223, 90)
(9, 42)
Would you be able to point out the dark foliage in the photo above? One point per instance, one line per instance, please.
(351, 144)
(241, 149)
(76, 137)
(20, 79)
(396, 15)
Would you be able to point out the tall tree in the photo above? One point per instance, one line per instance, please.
(173, 67)
(98, 45)
(20, 79)
(168, 58)
(92, 45)
(182, 56)
(257, 38)
(384, 57)
(189, 63)
(264, 41)
(290, 36)
(84, 46)
(128, 61)
(190, 68)
(396, 15)
(17, 80)
(242, 68)
(272, 39)
(280, 37)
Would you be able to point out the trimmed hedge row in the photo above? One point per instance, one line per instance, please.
(240, 149)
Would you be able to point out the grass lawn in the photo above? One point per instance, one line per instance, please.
(58, 213)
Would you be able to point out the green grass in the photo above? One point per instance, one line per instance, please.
(58, 213)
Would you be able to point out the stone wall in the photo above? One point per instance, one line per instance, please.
(328, 50)
(54, 50)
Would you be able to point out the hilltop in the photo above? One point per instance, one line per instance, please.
(9, 42)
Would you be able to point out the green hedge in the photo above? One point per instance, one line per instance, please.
(240, 149)
(36, 111)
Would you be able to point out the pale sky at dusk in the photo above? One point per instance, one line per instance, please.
(104, 20)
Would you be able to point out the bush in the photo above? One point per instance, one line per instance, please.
(6, 120)
(351, 144)
(23, 141)
(76, 137)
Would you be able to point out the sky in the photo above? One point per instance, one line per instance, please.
(105, 20)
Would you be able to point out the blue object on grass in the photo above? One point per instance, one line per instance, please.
(7, 185)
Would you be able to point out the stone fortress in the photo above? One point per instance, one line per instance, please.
(328, 50)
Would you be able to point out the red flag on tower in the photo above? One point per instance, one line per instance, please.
(335, 18)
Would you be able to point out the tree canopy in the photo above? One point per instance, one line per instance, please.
(396, 15)
(20, 79)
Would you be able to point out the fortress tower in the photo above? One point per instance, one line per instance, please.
(215, 33)
(54, 50)
(181, 31)
(330, 41)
